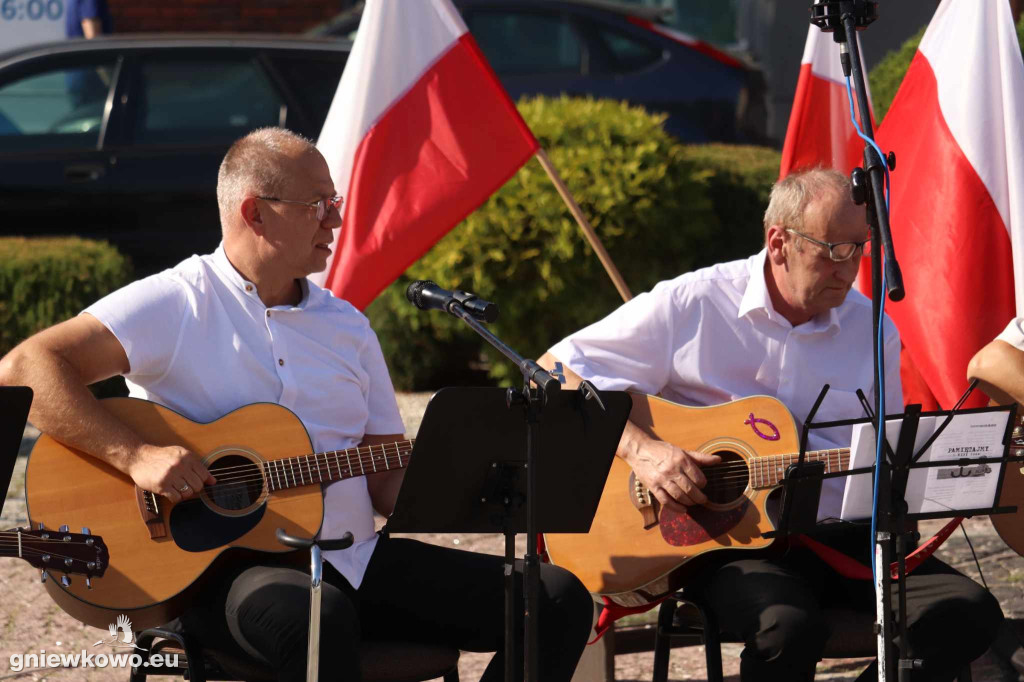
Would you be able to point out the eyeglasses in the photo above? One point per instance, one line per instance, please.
(321, 206)
(837, 251)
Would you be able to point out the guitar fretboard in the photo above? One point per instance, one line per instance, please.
(769, 471)
(336, 465)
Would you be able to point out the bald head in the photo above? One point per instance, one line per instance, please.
(792, 195)
(258, 165)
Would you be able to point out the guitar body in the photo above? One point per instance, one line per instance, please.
(155, 567)
(634, 565)
(1011, 526)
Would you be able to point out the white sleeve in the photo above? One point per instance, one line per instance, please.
(1013, 334)
(147, 318)
(893, 384)
(384, 417)
(629, 349)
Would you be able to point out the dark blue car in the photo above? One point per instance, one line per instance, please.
(611, 50)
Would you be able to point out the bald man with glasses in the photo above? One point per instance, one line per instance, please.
(245, 325)
(782, 323)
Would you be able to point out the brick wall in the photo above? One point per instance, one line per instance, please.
(267, 16)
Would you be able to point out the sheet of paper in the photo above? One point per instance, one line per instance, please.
(972, 486)
(933, 489)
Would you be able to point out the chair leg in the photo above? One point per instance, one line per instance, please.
(662, 642)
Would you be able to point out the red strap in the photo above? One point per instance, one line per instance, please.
(612, 612)
(853, 569)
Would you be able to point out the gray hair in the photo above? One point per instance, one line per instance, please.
(791, 195)
(257, 165)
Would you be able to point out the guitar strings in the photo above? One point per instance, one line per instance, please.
(400, 448)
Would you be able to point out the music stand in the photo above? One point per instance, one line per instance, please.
(14, 405)
(467, 470)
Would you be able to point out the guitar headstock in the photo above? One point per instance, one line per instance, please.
(59, 551)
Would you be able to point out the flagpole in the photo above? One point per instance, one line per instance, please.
(581, 220)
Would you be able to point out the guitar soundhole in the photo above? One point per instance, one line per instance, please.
(726, 480)
(239, 483)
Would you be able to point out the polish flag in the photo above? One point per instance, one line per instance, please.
(820, 132)
(419, 134)
(957, 127)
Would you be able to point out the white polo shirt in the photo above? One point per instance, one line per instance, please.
(712, 336)
(201, 342)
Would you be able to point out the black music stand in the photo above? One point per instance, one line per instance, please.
(14, 405)
(467, 470)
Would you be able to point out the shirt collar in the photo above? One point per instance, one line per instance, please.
(756, 297)
(312, 295)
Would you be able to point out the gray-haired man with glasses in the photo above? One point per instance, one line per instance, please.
(782, 323)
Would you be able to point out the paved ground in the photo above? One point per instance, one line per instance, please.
(30, 622)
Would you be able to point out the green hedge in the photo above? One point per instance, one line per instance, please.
(887, 75)
(660, 209)
(46, 281)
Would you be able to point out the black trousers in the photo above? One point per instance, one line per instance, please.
(775, 606)
(412, 591)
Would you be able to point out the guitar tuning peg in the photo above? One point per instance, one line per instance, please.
(88, 583)
(42, 576)
(41, 526)
(86, 531)
(65, 580)
(63, 529)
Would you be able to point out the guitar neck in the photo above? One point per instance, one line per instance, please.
(10, 543)
(770, 470)
(336, 465)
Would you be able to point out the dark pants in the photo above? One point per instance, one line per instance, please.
(411, 592)
(775, 607)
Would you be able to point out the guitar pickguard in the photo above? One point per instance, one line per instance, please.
(197, 528)
(699, 524)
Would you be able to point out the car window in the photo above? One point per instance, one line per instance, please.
(186, 101)
(60, 108)
(313, 82)
(627, 53)
(526, 42)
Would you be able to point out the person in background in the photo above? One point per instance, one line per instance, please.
(87, 19)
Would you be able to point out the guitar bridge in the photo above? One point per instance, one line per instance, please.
(645, 503)
(149, 507)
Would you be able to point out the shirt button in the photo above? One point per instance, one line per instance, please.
(268, 313)
(248, 287)
(280, 362)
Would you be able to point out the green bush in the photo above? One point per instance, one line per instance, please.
(887, 75)
(46, 281)
(659, 208)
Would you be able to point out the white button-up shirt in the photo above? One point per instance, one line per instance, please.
(712, 336)
(201, 342)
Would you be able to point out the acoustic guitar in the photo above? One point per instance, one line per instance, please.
(1010, 527)
(161, 552)
(58, 551)
(636, 551)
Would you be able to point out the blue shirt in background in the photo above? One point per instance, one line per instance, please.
(77, 10)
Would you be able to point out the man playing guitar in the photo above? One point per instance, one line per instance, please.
(244, 325)
(781, 323)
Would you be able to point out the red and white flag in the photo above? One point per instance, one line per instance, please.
(957, 127)
(419, 134)
(820, 132)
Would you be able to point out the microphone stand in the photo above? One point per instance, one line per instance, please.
(844, 18)
(533, 401)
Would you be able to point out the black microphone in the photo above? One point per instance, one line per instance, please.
(426, 295)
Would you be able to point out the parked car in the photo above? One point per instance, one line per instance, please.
(120, 138)
(610, 50)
